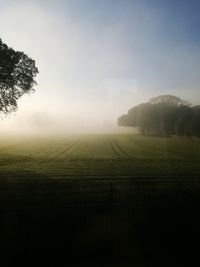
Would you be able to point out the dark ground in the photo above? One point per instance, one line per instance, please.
(105, 222)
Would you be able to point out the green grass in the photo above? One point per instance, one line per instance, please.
(100, 156)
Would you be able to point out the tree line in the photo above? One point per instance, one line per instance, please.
(164, 115)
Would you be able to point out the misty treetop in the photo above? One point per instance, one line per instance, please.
(17, 73)
(164, 115)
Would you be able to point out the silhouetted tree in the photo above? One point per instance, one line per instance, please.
(149, 118)
(184, 115)
(170, 100)
(195, 122)
(122, 121)
(164, 115)
(17, 73)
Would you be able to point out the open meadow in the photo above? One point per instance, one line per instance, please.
(122, 156)
(113, 200)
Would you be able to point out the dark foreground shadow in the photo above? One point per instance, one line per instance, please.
(106, 222)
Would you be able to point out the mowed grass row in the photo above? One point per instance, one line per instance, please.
(100, 156)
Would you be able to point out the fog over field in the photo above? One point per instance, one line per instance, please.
(97, 59)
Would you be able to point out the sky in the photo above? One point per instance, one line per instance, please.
(98, 58)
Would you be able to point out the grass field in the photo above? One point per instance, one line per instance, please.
(100, 156)
(99, 200)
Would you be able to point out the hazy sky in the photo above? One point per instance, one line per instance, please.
(98, 58)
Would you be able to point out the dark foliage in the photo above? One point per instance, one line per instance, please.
(17, 73)
(164, 115)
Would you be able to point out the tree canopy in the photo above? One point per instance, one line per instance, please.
(17, 73)
(164, 115)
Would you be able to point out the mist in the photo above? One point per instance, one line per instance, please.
(97, 60)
